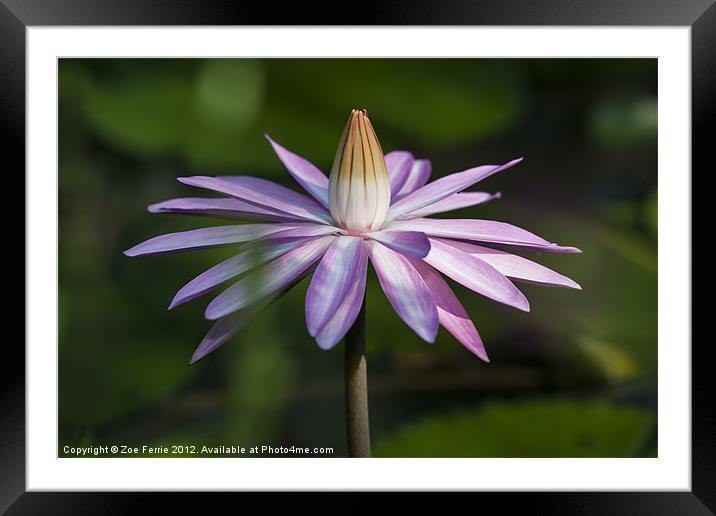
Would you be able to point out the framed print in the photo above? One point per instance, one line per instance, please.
(438, 249)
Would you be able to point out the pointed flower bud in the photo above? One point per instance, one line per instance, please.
(359, 187)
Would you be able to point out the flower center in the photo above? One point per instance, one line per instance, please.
(359, 187)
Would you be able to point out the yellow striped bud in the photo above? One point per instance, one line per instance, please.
(359, 187)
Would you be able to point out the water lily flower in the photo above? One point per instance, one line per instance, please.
(371, 208)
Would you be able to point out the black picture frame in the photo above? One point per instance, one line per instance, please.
(17, 15)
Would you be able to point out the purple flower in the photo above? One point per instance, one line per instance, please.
(372, 208)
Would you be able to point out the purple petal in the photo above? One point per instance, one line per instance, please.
(441, 188)
(475, 274)
(263, 193)
(452, 202)
(514, 266)
(406, 290)
(332, 280)
(304, 172)
(225, 328)
(305, 230)
(242, 262)
(271, 278)
(346, 314)
(399, 165)
(451, 313)
(419, 175)
(480, 230)
(408, 243)
(206, 237)
(220, 207)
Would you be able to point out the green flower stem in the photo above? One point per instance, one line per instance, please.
(357, 389)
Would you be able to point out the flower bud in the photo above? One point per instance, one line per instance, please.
(359, 187)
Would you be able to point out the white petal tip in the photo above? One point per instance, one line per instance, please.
(213, 314)
(188, 180)
(198, 355)
(480, 353)
(325, 346)
(428, 337)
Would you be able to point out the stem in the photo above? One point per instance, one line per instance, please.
(357, 389)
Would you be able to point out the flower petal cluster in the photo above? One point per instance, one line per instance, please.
(373, 208)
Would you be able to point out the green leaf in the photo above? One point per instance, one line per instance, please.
(141, 109)
(485, 101)
(229, 92)
(625, 122)
(615, 364)
(223, 135)
(113, 379)
(540, 428)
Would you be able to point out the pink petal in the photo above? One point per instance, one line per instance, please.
(452, 202)
(451, 313)
(441, 188)
(227, 327)
(304, 172)
(220, 207)
(275, 276)
(332, 281)
(419, 175)
(514, 266)
(475, 275)
(346, 314)
(224, 271)
(301, 230)
(480, 230)
(406, 290)
(399, 164)
(206, 237)
(408, 243)
(264, 194)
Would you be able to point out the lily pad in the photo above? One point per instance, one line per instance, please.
(540, 428)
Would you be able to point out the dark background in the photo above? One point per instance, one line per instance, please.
(575, 377)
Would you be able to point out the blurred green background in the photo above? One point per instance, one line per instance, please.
(575, 377)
